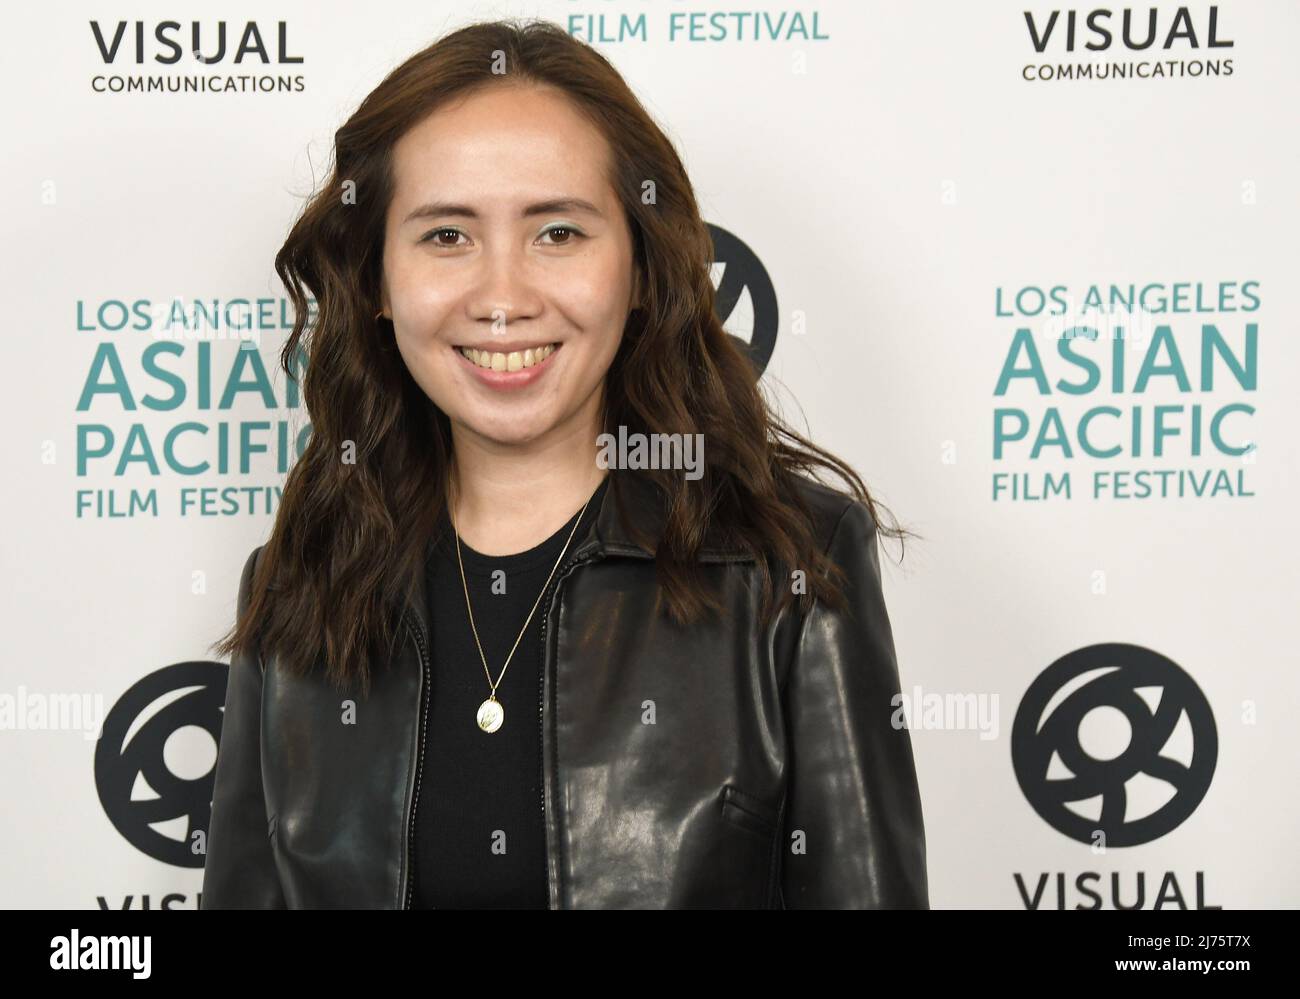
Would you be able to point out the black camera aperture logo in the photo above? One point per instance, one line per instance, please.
(137, 788)
(1164, 709)
(742, 269)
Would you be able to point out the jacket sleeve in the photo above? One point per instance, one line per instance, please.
(239, 872)
(852, 790)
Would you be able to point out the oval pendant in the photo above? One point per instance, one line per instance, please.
(490, 715)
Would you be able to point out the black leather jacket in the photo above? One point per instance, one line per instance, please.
(771, 777)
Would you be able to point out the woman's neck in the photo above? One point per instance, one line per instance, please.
(510, 499)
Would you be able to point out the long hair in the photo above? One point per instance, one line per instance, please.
(350, 535)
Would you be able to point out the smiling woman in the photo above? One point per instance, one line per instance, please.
(534, 255)
(688, 673)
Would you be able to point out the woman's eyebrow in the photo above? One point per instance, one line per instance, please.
(439, 209)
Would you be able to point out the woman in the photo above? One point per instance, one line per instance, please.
(478, 664)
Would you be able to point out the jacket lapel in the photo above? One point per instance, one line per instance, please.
(643, 506)
(608, 535)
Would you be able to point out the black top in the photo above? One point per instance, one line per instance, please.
(479, 838)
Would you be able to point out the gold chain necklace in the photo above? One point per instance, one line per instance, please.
(490, 713)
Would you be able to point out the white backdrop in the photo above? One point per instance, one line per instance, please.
(920, 184)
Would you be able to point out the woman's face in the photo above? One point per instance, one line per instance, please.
(505, 238)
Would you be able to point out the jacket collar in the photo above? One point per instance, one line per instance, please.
(608, 535)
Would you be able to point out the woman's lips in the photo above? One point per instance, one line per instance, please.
(509, 379)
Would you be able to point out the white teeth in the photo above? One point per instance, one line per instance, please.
(508, 362)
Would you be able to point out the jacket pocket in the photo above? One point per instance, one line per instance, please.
(747, 811)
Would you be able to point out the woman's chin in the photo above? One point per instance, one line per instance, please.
(507, 429)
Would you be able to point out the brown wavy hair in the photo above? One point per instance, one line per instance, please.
(349, 538)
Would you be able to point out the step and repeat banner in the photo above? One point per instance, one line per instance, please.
(1030, 268)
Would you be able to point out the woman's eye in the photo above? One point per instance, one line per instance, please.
(567, 231)
(432, 237)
